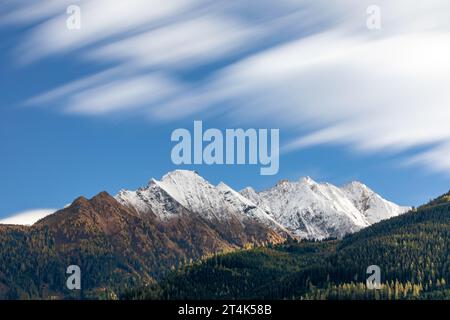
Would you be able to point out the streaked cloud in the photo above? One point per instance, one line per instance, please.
(371, 94)
(199, 40)
(101, 19)
(122, 95)
(324, 80)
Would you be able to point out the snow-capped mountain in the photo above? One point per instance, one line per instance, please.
(372, 205)
(304, 208)
(183, 191)
(320, 210)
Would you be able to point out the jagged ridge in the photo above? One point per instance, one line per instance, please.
(304, 208)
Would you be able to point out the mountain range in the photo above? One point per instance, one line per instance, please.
(304, 208)
(137, 237)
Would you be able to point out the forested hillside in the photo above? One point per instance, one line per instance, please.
(114, 246)
(411, 250)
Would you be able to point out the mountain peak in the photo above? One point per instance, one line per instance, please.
(102, 195)
(307, 180)
(180, 174)
(247, 190)
(282, 182)
(372, 205)
(80, 201)
(357, 185)
(223, 186)
(102, 198)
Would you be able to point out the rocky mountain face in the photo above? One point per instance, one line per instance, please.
(173, 237)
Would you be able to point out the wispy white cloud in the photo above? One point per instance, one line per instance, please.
(24, 12)
(383, 91)
(324, 80)
(100, 20)
(110, 91)
(374, 94)
(437, 159)
(123, 94)
(66, 90)
(27, 217)
(198, 40)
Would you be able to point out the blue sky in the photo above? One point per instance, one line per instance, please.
(87, 110)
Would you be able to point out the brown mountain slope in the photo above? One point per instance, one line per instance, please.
(114, 246)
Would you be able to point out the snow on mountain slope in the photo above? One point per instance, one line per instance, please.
(254, 197)
(186, 189)
(372, 205)
(177, 190)
(153, 198)
(250, 209)
(312, 210)
(320, 210)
